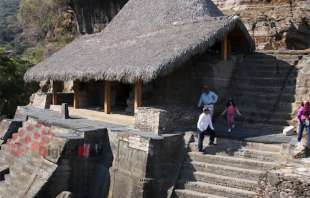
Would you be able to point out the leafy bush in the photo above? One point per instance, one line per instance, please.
(13, 90)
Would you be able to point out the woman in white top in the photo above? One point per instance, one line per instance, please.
(205, 127)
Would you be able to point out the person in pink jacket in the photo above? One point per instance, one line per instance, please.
(231, 112)
(303, 116)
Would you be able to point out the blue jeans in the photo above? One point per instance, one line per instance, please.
(301, 128)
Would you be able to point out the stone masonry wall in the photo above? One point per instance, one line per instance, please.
(291, 181)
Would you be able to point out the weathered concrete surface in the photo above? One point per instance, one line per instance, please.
(290, 181)
(145, 165)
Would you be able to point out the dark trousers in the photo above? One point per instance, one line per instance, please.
(301, 128)
(201, 136)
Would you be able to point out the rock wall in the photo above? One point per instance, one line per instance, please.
(275, 24)
(291, 181)
(303, 79)
(94, 15)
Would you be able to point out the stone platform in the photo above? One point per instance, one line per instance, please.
(96, 158)
(259, 134)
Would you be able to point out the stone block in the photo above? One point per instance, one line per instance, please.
(288, 131)
(161, 120)
(41, 100)
(151, 119)
(8, 127)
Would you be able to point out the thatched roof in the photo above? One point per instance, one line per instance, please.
(146, 39)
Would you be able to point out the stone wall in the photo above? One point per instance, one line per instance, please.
(302, 82)
(274, 24)
(291, 181)
(183, 86)
(144, 165)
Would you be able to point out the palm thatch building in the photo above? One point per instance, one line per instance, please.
(148, 44)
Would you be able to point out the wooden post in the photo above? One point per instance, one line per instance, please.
(107, 97)
(54, 92)
(76, 98)
(138, 95)
(225, 48)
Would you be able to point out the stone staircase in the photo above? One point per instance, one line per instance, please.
(24, 169)
(229, 169)
(263, 86)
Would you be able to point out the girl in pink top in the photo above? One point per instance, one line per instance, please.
(231, 112)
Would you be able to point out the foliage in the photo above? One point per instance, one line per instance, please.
(40, 13)
(34, 54)
(13, 90)
(9, 27)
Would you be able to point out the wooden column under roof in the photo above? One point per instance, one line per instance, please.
(225, 48)
(55, 88)
(76, 98)
(138, 95)
(107, 96)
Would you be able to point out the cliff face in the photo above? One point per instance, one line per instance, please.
(37, 29)
(94, 15)
(275, 24)
(8, 25)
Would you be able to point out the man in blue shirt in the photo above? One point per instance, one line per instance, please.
(208, 99)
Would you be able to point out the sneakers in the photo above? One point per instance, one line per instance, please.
(229, 130)
(233, 126)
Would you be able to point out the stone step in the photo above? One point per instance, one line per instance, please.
(218, 190)
(17, 171)
(231, 145)
(287, 72)
(265, 54)
(271, 128)
(214, 178)
(258, 72)
(181, 193)
(262, 120)
(8, 191)
(264, 115)
(258, 81)
(272, 98)
(224, 170)
(231, 161)
(257, 154)
(266, 89)
(279, 82)
(11, 187)
(18, 182)
(269, 61)
(276, 106)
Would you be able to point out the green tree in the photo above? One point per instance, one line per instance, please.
(13, 90)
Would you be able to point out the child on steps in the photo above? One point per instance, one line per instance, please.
(231, 112)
